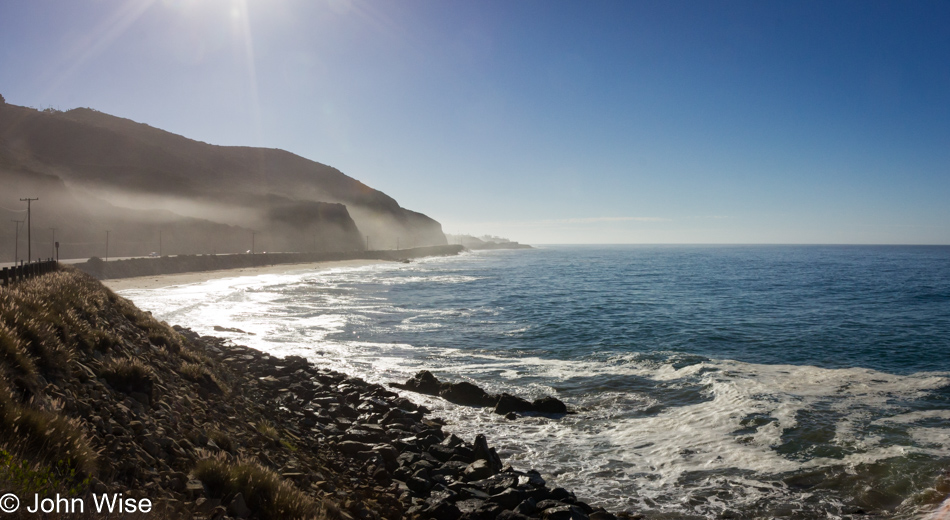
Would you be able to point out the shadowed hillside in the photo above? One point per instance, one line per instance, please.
(293, 204)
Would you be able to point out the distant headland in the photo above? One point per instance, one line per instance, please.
(112, 187)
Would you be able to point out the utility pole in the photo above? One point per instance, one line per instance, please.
(16, 245)
(107, 245)
(52, 242)
(29, 227)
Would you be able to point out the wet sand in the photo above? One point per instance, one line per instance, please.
(167, 280)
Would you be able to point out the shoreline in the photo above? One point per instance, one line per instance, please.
(167, 280)
(203, 428)
(139, 267)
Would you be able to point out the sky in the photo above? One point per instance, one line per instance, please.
(544, 121)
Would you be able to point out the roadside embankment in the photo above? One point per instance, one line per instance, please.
(195, 263)
(98, 398)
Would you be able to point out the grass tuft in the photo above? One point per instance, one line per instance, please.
(13, 356)
(222, 440)
(45, 436)
(128, 376)
(266, 494)
(267, 429)
(204, 377)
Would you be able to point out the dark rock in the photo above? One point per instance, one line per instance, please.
(418, 485)
(403, 473)
(422, 473)
(496, 483)
(388, 454)
(441, 452)
(509, 498)
(511, 515)
(238, 508)
(422, 464)
(452, 441)
(508, 403)
(548, 504)
(353, 447)
(549, 405)
(532, 478)
(564, 512)
(423, 382)
(488, 510)
(528, 506)
(471, 492)
(194, 488)
(481, 450)
(442, 511)
(465, 393)
(478, 470)
(562, 494)
(407, 458)
(469, 505)
(441, 495)
(463, 454)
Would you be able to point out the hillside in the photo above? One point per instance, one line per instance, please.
(293, 203)
(98, 398)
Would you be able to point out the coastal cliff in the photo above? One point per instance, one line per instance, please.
(94, 172)
(99, 398)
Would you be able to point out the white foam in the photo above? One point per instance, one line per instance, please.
(618, 449)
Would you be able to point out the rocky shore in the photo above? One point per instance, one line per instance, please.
(203, 428)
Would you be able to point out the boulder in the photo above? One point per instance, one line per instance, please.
(478, 470)
(549, 405)
(423, 382)
(465, 393)
(481, 450)
(508, 403)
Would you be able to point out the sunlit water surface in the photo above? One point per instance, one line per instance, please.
(800, 382)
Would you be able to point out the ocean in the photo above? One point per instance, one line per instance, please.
(708, 381)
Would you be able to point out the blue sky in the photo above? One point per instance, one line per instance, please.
(543, 121)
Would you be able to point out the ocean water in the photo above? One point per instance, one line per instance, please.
(743, 381)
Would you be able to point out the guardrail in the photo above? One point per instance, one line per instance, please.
(11, 275)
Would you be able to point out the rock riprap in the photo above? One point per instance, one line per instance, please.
(207, 429)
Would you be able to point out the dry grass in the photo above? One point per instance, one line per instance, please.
(266, 494)
(222, 440)
(16, 361)
(128, 376)
(45, 437)
(205, 378)
(51, 323)
(191, 356)
(43, 321)
(267, 430)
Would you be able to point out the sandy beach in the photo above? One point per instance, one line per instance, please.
(167, 280)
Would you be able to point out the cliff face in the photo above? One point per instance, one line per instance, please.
(295, 204)
(81, 220)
